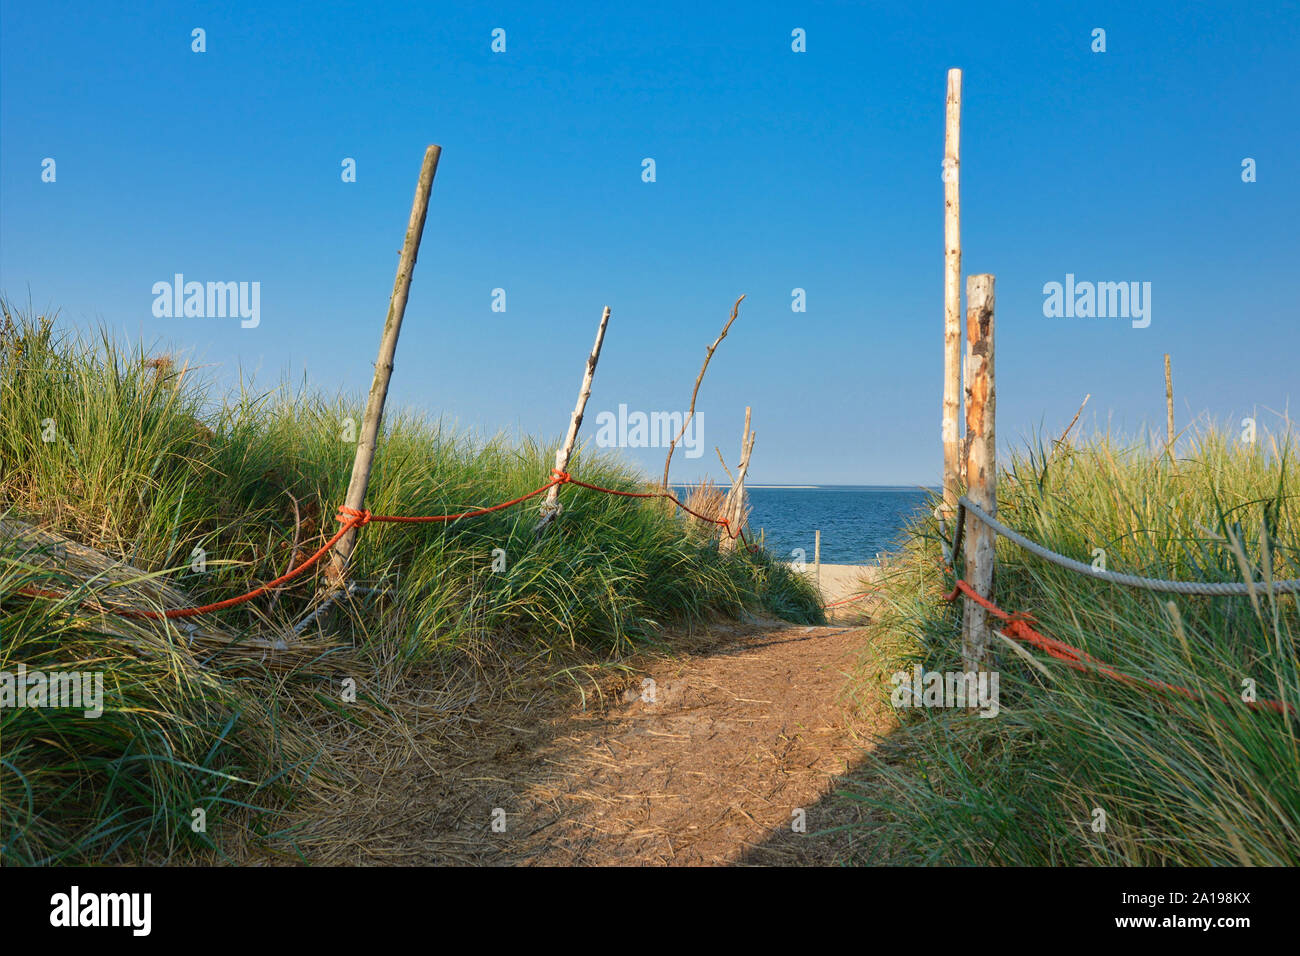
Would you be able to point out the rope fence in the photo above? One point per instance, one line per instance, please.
(351, 518)
(1020, 625)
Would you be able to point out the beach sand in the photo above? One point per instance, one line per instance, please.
(841, 581)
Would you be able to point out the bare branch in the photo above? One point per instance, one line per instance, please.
(735, 309)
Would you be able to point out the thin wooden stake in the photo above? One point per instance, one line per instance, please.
(981, 468)
(369, 436)
(952, 293)
(817, 558)
(1169, 407)
(551, 506)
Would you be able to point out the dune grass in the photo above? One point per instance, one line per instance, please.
(133, 454)
(1078, 769)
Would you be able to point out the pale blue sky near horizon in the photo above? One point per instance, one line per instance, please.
(775, 170)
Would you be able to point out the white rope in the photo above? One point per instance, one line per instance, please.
(1128, 580)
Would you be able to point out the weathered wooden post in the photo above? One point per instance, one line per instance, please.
(369, 436)
(733, 508)
(952, 293)
(551, 506)
(981, 469)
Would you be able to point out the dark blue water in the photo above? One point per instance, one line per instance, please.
(856, 521)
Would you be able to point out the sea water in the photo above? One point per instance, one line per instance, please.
(856, 521)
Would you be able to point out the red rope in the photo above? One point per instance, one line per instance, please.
(1019, 626)
(849, 600)
(355, 518)
(219, 605)
(565, 478)
(346, 513)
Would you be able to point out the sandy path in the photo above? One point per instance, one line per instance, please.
(735, 747)
(736, 740)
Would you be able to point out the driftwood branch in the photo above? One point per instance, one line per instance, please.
(735, 309)
(734, 508)
(551, 506)
(730, 477)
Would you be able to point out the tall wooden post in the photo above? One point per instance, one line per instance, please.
(551, 506)
(981, 468)
(369, 436)
(952, 292)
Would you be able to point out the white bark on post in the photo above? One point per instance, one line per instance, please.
(952, 476)
(369, 436)
(734, 507)
(981, 469)
(551, 507)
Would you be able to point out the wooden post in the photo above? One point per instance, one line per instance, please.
(551, 506)
(369, 436)
(1169, 407)
(817, 558)
(734, 507)
(981, 468)
(952, 293)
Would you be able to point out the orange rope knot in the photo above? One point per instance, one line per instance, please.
(348, 515)
(563, 476)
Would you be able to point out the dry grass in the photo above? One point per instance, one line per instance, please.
(96, 585)
(707, 499)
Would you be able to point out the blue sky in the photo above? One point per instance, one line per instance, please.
(775, 170)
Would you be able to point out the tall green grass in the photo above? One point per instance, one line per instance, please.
(136, 456)
(1180, 781)
(174, 738)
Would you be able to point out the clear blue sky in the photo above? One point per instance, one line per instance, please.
(775, 170)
